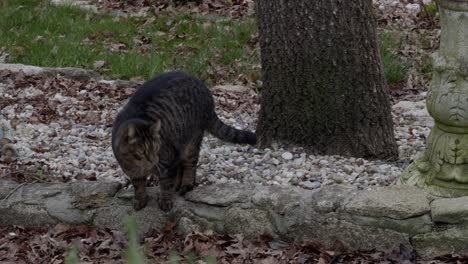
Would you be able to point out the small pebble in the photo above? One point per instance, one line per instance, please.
(287, 156)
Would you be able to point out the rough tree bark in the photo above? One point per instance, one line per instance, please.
(323, 82)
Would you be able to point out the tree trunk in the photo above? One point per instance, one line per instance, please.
(323, 82)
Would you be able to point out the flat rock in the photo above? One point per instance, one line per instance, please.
(36, 194)
(122, 83)
(27, 69)
(64, 211)
(93, 194)
(68, 72)
(6, 187)
(221, 194)
(72, 73)
(250, 222)
(84, 189)
(151, 216)
(83, 5)
(451, 241)
(232, 88)
(278, 198)
(383, 218)
(207, 212)
(186, 226)
(450, 211)
(25, 215)
(332, 197)
(353, 236)
(411, 226)
(397, 202)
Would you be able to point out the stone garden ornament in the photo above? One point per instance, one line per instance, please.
(443, 168)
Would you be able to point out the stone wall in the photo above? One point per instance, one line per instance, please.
(380, 218)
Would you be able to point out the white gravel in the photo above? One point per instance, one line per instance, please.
(75, 151)
(291, 165)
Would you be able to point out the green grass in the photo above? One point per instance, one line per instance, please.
(394, 70)
(35, 32)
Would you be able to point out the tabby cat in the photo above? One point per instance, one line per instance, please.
(160, 131)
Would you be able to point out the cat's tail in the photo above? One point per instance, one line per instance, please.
(231, 134)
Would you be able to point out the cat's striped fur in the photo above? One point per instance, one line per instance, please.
(160, 131)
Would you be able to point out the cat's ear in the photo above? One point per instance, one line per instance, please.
(131, 133)
(156, 127)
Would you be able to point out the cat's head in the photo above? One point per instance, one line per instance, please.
(137, 147)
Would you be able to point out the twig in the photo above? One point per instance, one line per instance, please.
(13, 191)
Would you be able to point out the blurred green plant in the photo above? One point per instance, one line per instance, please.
(72, 255)
(133, 254)
(431, 9)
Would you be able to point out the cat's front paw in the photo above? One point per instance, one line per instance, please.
(139, 203)
(166, 204)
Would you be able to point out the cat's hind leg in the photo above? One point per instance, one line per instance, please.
(167, 179)
(180, 174)
(189, 161)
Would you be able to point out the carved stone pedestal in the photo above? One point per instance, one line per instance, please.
(443, 168)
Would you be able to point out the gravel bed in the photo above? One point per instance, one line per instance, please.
(62, 129)
(284, 164)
